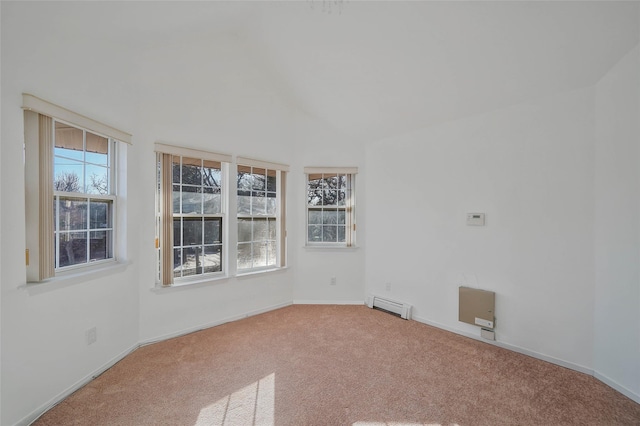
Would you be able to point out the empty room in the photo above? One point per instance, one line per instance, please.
(320, 212)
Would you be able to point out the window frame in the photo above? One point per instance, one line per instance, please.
(39, 158)
(165, 244)
(279, 216)
(111, 196)
(349, 207)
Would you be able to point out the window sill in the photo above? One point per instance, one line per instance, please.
(72, 278)
(330, 248)
(260, 271)
(200, 282)
(160, 289)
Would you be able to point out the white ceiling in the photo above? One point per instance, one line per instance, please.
(381, 68)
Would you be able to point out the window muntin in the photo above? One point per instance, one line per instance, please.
(330, 202)
(257, 217)
(84, 196)
(197, 216)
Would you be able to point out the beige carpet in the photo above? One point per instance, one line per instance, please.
(337, 365)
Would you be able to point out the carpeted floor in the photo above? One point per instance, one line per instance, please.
(337, 365)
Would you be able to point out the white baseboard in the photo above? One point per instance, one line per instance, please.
(34, 415)
(204, 326)
(514, 348)
(617, 386)
(327, 302)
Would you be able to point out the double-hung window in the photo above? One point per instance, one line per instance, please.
(84, 196)
(71, 190)
(261, 215)
(330, 215)
(191, 211)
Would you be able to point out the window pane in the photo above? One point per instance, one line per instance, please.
(99, 214)
(330, 197)
(260, 229)
(258, 203)
(244, 178)
(73, 214)
(177, 232)
(331, 181)
(342, 182)
(97, 180)
(341, 216)
(272, 229)
(259, 180)
(97, 149)
(191, 171)
(175, 170)
(192, 231)
(315, 233)
(259, 254)
(212, 230)
(212, 259)
(314, 197)
(177, 262)
(329, 217)
(271, 180)
(271, 253)
(191, 199)
(212, 174)
(329, 233)
(315, 217)
(271, 204)
(244, 230)
(212, 200)
(342, 197)
(192, 261)
(244, 202)
(68, 175)
(244, 256)
(176, 198)
(72, 248)
(341, 234)
(70, 139)
(100, 245)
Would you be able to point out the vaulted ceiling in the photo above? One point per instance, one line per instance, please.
(374, 69)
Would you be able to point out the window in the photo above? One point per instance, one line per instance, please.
(191, 210)
(330, 206)
(84, 196)
(71, 189)
(260, 215)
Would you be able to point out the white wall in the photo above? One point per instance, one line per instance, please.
(617, 227)
(208, 91)
(317, 145)
(43, 329)
(530, 168)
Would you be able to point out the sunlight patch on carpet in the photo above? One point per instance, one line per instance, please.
(251, 405)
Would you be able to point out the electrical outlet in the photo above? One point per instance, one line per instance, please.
(334, 281)
(92, 335)
(387, 286)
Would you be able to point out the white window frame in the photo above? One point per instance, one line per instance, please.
(279, 217)
(165, 215)
(349, 206)
(111, 197)
(39, 116)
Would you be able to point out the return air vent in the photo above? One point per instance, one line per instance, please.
(401, 309)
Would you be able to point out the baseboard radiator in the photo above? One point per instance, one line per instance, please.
(401, 309)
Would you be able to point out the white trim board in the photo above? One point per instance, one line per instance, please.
(205, 326)
(327, 302)
(38, 412)
(576, 367)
